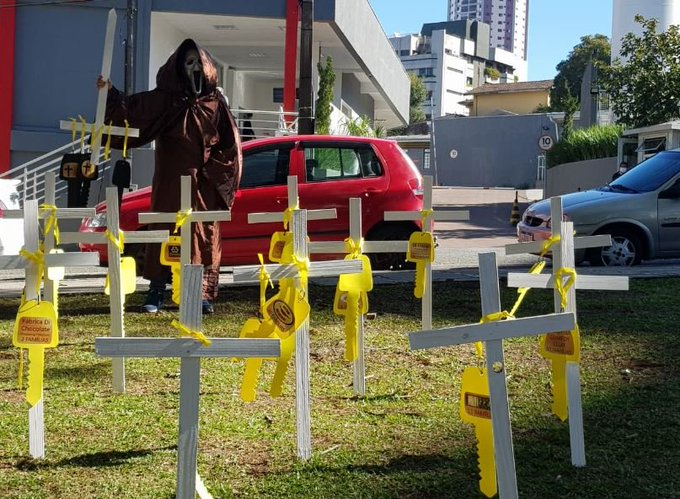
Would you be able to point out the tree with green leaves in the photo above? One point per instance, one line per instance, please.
(323, 109)
(417, 99)
(570, 71)
(644, 88)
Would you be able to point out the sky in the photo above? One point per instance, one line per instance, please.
(555, 26)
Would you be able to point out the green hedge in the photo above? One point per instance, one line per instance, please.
(590, 143)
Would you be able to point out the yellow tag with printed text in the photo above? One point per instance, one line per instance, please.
(171, 250)
(281, 247)
(36, 325)
(287, 309)
(565, 345)
(128, 276)
(420, 247)
(475, 408)
(340, 302)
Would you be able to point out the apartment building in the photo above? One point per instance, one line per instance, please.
(452, 58)
(508, 21)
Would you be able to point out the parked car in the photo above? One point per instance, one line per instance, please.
(640, 210)
(330, 170)
(11, 230)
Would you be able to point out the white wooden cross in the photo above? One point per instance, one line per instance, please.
(428, 216)
(493, 334)
(191, 217)
(30, 215)
(316, 269)
(563, 257)
(116, 296)
(335, 247)
(98, 126)
(190, 352)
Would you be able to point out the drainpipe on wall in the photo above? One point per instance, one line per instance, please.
(7, 29)
(305, 116)
(290, 58)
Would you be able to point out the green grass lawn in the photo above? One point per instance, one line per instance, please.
(403, 439)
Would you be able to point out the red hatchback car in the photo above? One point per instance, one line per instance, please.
(330, 170)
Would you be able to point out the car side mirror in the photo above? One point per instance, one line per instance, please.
(673, 192)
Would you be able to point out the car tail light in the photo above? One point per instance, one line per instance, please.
(416, 185)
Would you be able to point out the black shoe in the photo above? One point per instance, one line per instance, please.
(207, 307)
(154, 302)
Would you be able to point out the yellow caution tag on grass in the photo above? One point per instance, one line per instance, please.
(128, 276)
(421, 252)
(35, 329)
(475, 408)
(560, 348)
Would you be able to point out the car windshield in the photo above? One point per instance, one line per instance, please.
(649, 175)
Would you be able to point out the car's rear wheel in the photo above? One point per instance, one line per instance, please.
(391, 261)
(626, 250)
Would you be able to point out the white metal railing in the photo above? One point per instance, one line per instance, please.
(32, 173)
(265, 123)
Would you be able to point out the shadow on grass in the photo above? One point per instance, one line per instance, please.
(88, 371)
(94, 460)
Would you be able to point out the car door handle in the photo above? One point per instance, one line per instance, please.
(371, 190)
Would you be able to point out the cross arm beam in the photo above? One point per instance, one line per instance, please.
(148, 236)
(367, 247)
(609, 283)
(579, 243)
(316, 269)
(490, 331)
(186, 347)
(325, 214)
(393, 216)
(196, 216)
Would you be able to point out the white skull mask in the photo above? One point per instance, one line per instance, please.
(193, 68)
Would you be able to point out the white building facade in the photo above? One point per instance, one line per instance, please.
(508, 20)
(666, 12)
(452, 58)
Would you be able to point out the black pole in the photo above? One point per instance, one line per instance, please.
(305, 116)
(130, 47)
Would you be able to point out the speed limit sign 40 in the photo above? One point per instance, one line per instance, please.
(546, 142)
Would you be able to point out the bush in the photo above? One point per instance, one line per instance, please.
(590, 143)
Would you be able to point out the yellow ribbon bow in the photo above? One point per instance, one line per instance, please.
(51, 224)
(119, 241)
(182, 217)
(185, 332)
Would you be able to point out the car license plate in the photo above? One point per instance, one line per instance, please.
(525, 237)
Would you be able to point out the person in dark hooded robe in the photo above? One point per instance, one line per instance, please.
(195, 135)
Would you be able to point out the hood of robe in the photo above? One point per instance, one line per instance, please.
(171, 77)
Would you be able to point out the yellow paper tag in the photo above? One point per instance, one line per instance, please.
(36, 325)
(287, 309)
(171, 250)
(565, 346)
(475, 408)
(361, 281)
(55, 273)
(340, 302)
(281, 247)
(420, 247)
(128, 276)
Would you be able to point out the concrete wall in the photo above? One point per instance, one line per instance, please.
(490, 151)
(579, 176)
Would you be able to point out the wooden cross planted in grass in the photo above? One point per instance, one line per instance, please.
(421, 245)
(314, 269)
(484, 394)
(36, 325)
(120, 283)
(563, 349)
(183, 220)
(190, 350)
(336, 247)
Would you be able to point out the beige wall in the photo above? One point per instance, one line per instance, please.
(519, 103)
(580, 175)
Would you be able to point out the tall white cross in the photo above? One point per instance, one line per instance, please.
(30, 215)
(98, 126)
(493, 334)
(190, 352)
(112, 238)
(563, 258)
(316, 269)
(191, 217)
(428, 216)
